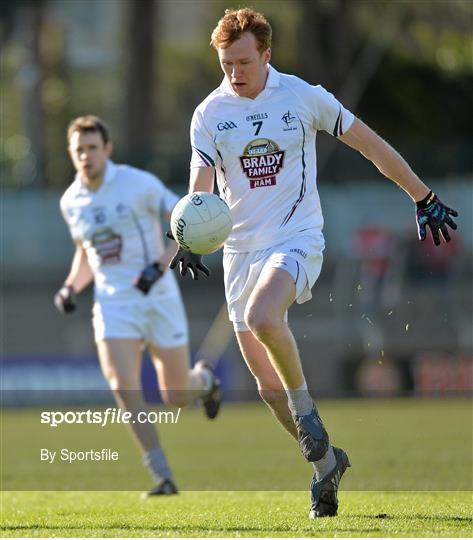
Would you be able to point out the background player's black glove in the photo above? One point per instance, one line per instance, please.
(187, 261)
(432, 212)
(148, 277)
(65, 299)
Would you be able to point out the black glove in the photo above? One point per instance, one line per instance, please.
(432, 212)
(148, 277)
(187, 261)
(65, 299)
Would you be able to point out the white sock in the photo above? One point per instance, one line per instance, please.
(299, 400)
(205, 376)
(156, 463)
(325, 465)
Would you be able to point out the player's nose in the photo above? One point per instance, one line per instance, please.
(236, 74)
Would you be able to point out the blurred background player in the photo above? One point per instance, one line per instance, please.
(113, 213)
(256, 134)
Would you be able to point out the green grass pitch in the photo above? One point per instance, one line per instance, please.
(241, 476)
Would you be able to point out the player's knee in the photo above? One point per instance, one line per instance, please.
(263, 325)
(121, 384)
(177, 398)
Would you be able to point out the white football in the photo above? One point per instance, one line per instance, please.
(201, 222)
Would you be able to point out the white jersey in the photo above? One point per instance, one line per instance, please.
(263, 150)
(120, 230)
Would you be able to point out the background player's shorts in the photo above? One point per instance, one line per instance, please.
(301, 256)
(160, 322)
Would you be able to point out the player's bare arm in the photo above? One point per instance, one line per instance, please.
(79, 277)
(201, 179)
(389, 162)
(171, 247)
(431, 211)
(168, 254)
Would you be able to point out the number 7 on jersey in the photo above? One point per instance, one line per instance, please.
(258, 126)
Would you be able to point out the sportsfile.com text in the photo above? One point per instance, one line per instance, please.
(111, 415)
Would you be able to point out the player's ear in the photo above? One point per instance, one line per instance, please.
(71, 153)
(267, 55)
(109, 148)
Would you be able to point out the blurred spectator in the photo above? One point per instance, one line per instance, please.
(378, 378)
(426, 262)
(422, 264)
(374, 247)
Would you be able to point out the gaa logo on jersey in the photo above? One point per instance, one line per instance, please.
(261, 161)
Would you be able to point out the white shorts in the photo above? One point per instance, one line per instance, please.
(301, 256)
(160, 322)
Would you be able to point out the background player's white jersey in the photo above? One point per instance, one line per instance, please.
(119, 226)
(263, 150)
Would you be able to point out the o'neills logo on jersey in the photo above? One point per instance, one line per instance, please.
(261, 161)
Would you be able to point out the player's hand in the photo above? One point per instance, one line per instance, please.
(433, 213)
(65, 299)
(189, 261)
(148, 277)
